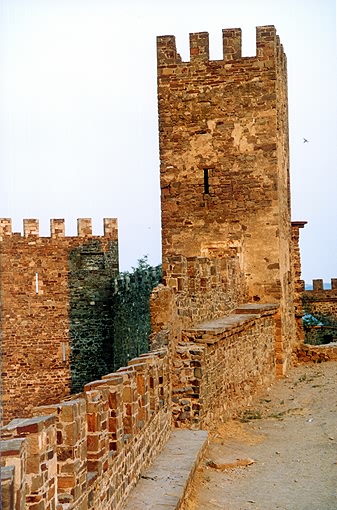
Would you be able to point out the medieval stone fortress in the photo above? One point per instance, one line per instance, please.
(226, 317)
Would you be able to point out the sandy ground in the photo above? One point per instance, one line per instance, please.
(281, 453)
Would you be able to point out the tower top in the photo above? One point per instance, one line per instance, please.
(267, 45)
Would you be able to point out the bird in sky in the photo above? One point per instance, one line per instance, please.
(305, 140)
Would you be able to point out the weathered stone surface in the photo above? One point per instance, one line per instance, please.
(224, 173)
(92, 448)
(222, 364)
(225, 314)
(298, 283)
(164, 483)
(48, 285)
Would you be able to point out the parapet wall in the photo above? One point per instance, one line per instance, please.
(53, 297)
(267, 45)
(318, 290)
(222, 352)
(57, 228)
(221, 364)
(320, 301)
(195, 289)
(87, 453)
(322, 305)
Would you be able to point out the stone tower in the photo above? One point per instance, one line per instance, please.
(224, 163)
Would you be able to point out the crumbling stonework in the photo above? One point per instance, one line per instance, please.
(225, 165)
(305, 353)
(53, 303)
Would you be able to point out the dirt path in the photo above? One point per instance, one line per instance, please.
(290, 434)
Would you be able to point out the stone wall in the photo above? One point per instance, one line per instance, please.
(223, 128)
(298, 283)
(55, 315)
(204, 288)
(221, 364)
(221, 351)
(305, 353)
(87, 453)
(322, 304)
(194, 290)
(320, 301)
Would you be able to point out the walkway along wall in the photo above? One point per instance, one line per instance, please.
(223, 318)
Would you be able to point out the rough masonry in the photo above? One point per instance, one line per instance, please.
(55, 315)
(225, 321)
(224, 164)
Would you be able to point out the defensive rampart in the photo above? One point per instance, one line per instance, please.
(221, 364)
(88, 452)
(222, 352)
(321, 304)
(320, 301)
(223, 322)
(55, 310)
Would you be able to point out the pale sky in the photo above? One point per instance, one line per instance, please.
(79, 122)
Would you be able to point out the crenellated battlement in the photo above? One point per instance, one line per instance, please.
(318, 286)
(57, 228)
(267, 46)
(47, 285)
(69, 452)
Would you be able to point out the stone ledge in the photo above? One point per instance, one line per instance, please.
(212, 331)
(7, 473)
(11, 447)
(164, 484)
(260, 308)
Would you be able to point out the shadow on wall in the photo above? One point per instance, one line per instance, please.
(91, 271)
(109, 317)
(131, 316)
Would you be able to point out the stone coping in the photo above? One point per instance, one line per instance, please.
(11, 446)
(29, 425)
(260, 308)
(7, 472)
(163, 485)
(212, 331)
